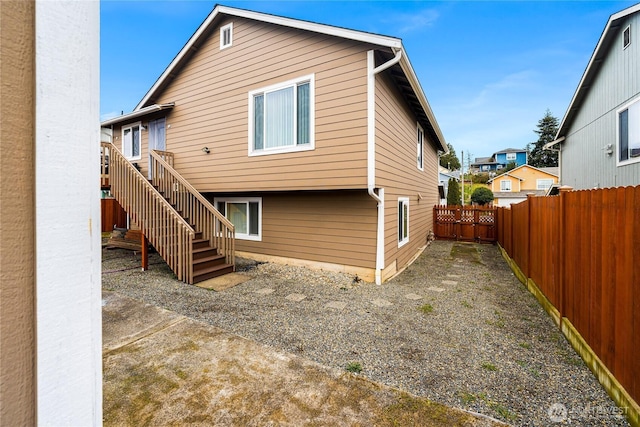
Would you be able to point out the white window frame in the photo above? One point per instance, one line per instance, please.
(632, 121)
(485, 167)
(223, 29)
(128, 154)
(512, 156)
(243, 236)
(626, 31)
(540, 183)
(504, 187)
(402, 239)
(291, 148)
(420, 146)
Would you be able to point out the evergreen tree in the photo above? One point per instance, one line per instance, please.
(482, 196)
(453, 192)
(547, 130)
(450, 160)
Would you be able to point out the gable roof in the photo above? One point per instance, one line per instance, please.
(510, 173)
(595, 63)
(402, 73)
(511, 150)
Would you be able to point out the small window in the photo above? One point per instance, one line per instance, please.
(131, 145)
(629, 133)
(544, 184)
(505, 185)
(626, 37)
(245, 214)
(281, 117)
(511, 156)
(420, 144)
(403, 221)
(485, 167)
(226, 36)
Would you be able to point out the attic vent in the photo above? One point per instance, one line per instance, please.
(226, 36)
(626, 37)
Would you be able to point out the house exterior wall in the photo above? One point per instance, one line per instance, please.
(211, 94)
(17, 215)
(515, 183)
(584, 163)
(521, 158)
(67, 223)
(50, 311)
(326, 227)
(398, 174)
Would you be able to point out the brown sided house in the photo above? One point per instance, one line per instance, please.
(316, 142)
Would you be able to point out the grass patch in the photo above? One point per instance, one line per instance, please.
(466, 304)
(354, 367)
(489, 366)
(426, 308)
(525, 345)
(467, 397)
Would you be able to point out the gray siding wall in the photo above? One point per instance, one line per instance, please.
(584, 161)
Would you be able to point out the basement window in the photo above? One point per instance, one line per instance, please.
(245, 213)
(226, 36)
(626, 37)
(403, 221)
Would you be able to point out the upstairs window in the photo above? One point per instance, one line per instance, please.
(281, 117)
(543, 184)
(505, 185)
(629, 133)
(131, 142)
(511, 156)
(226, 36)
(420, 144)
(626, 37)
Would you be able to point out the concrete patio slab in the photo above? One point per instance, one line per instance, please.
(177, 371)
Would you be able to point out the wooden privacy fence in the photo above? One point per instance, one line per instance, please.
(581, 249)
(467, 223)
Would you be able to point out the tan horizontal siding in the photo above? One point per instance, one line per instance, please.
(397, 172)
(333, 227)
(212, 107)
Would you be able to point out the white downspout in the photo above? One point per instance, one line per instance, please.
(372, 70)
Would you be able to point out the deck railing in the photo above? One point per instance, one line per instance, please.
(162, 225)
(104, 164)
(193, 205)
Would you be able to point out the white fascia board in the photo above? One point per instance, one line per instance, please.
(417, 89)
(361, 36)
(612, 19)
(137, 113)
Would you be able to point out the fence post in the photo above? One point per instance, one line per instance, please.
(529, 203)
(562, 250)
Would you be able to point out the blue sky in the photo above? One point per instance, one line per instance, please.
(490, 70)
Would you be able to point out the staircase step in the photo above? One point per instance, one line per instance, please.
(202, 264)
(211, 272)
(204, 252)
(200, 243)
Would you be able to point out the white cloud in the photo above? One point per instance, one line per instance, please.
(410, 22)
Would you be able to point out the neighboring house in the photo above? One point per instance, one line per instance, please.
(599, 136)
(444, 175)
(315, 141)
(514, 186)
(499, 160)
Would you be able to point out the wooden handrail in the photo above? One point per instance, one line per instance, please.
(205, 218)
(170, 234)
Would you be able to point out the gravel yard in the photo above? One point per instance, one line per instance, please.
(456, 327)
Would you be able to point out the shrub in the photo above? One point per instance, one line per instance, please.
(482, 196)
(453, 192)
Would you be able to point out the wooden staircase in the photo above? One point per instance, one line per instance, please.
(196, 241)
